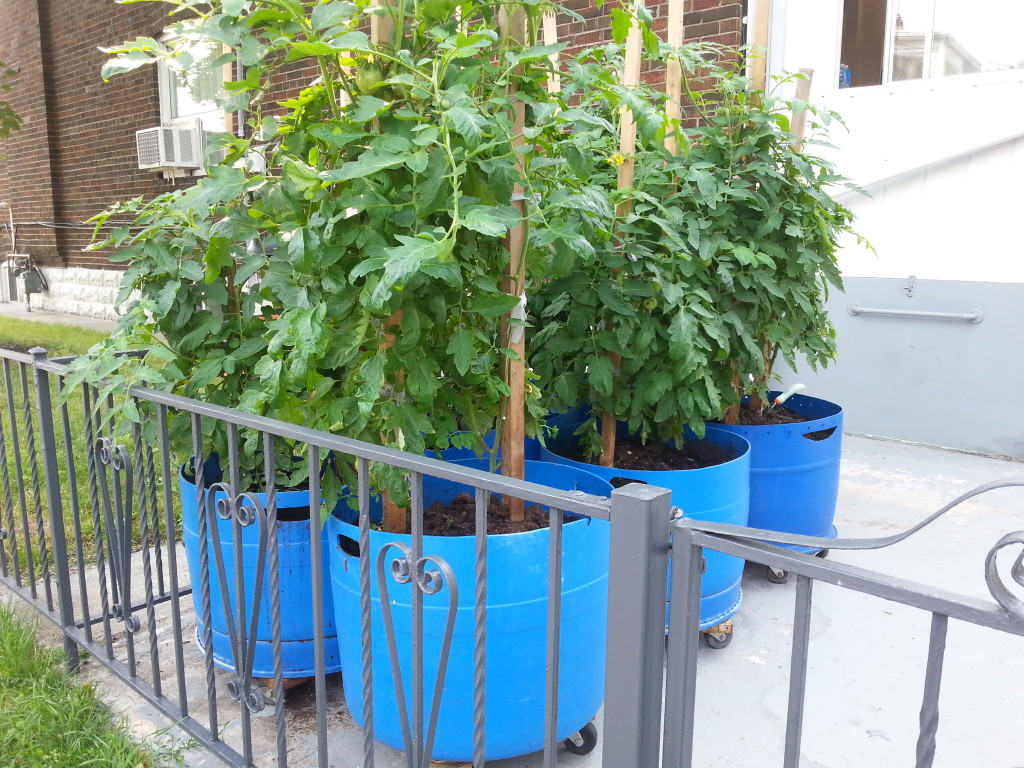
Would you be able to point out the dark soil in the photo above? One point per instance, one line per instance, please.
(659, 457)
(459, 517)
(780, 414)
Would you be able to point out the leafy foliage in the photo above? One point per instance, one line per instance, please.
(697, 277)
(342, 267)
(9, 119)
(355, 284)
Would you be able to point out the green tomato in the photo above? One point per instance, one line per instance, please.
(650, 304)
(368, 79)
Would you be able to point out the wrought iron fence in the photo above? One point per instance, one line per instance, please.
(92, 535)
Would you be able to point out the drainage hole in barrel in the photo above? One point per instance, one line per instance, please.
(348, 545)
(821, 434)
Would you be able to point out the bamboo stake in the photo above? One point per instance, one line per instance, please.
(627, 150)
(798, 124)
(382, 29)
(513, 432)
(674, 76)
(798, 127)
(550, 26)
(759, 64)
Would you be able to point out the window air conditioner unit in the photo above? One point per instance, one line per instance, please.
(168, 147)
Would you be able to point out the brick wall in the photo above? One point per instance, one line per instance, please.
(714, 21)
(75, 154)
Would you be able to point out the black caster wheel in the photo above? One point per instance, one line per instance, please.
(583, 741)
(775, 575)
(822, 553)
(717, 640)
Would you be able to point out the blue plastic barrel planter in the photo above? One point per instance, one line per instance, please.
(718, 494)
(295, 587)
(517, 586)
(794, 469)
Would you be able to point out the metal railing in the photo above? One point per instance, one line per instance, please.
(92, 536)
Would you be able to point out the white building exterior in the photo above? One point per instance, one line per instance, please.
(942, 159)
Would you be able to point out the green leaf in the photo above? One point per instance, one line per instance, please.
(408, 258)
(366, 108)
(622, 22)
(461, 348)
(493, 305)
(234, 7)
(417, 162)
(218, 256)
(491, 220)
(337, 134)
(599, 371)
(165, 298)
(367, 164)
(332, 13)
(468, 123)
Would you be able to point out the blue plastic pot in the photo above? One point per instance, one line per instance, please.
(718, 494)
(295, 587)
(517, 584)
(794, 469)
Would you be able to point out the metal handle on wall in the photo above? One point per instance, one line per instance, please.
(972, 316)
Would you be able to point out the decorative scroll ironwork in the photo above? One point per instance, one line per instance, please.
(243, 510)
(996, 586)
(118, 508)
(429, 581)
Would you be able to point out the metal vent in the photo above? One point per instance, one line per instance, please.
(166, 147)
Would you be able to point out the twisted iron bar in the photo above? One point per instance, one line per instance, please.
(242, 509)
(429, 581)
(119, 530)
(999, 590)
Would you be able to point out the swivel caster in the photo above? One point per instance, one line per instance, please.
(720, 636)
(583, 741)
(776, 575)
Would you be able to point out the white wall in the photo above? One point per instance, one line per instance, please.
(943, 161)
(80, 291)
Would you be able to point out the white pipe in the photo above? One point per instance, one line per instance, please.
(789, 393)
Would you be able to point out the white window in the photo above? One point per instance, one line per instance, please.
(890, 40)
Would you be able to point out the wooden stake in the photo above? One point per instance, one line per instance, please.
(759, 63)
(674, 76)
(395, 518)
(627, 150)
(550, 26)
(798, 123)
(513, 435)
(382, 26)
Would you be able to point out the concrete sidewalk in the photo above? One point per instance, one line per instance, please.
(18, 310)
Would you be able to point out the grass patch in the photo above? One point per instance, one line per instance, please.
(49, 720)
(57, 340)
(23, 519)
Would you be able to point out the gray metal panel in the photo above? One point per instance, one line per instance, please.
(935, 381)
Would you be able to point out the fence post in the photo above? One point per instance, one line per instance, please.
(640, 518)
(51, 480)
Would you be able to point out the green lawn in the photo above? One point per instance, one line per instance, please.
(48, 719)
(23, 521)
(57, 340)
